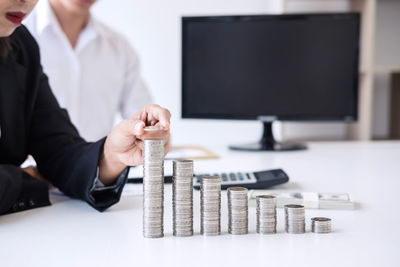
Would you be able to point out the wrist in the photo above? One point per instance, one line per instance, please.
(110, 167)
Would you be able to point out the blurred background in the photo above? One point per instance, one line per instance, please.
(153, 28)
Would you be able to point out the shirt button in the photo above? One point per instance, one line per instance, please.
(31, 203)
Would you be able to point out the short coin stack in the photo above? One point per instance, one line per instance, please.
(237, 211)
(321, 225)
(210, 201)
(266, 214)
(153, 188)
(295, 219)
(182, 197)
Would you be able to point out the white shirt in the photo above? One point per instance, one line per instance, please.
(95, 81)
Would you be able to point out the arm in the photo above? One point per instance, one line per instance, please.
(57, 148)
(19, 191)
(63, 157)
(70, 163)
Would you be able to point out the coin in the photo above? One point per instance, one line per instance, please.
(182, 198)
(153, 188)
(294, 219)
(153, 128)
(210, 205)
(237, 210)
(321, 225)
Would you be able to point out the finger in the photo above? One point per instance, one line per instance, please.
(157, 114)
(154, 115)
(154, 135)
(166, 146)
(133, 126)
(139, 144)
(140, 115)
(138, 128)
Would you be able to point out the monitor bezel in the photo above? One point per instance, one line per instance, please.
(305, 16)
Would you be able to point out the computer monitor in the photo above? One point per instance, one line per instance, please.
(297, 67)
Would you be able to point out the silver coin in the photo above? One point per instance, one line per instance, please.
(266, 214)
(321, 225)
(153, 128)
(237, 210)
(210, 205)
(182, 197)
(153, 188)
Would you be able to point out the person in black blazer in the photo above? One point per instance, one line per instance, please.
(32, 123)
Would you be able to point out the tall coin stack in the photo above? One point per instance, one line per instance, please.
(182, 197)
(266, 214)
(237, 211)
(210, 202)
(321, 225)
(295, 219)
(153, 188)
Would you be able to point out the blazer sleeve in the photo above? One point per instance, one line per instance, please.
(19, 191)
(63, 157)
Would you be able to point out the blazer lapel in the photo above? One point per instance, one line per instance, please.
(12, 110)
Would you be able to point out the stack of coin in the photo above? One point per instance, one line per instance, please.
(295, 219)
(153, 188)
(210, 201)
(266, 214)
(237, 210)
(182, 197)
(320, 225)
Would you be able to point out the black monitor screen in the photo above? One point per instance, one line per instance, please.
(292, 67)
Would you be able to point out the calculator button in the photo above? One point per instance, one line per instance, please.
(224, 177)
(232, 176)
(240, 176)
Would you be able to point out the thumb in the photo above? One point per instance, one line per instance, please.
(133, 127)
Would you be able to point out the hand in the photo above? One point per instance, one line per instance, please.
(124, 146)
(32, 171)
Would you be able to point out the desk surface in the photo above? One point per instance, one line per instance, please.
(70, 233)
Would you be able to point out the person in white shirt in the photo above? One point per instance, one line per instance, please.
(93, 71)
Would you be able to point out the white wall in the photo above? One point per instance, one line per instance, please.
(153, 28)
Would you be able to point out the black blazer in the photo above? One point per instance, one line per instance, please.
(32, 122)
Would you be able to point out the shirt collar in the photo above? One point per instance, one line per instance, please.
(45, 17)
(88, 34)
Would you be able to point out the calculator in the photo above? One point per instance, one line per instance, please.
(250, 180)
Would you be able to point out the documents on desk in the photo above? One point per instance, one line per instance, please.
(308, 200)
(190, 152)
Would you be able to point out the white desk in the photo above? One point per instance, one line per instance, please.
(70, 233)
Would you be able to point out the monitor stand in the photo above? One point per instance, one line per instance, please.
(268, 143)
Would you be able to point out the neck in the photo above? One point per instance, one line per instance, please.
(71, 23)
